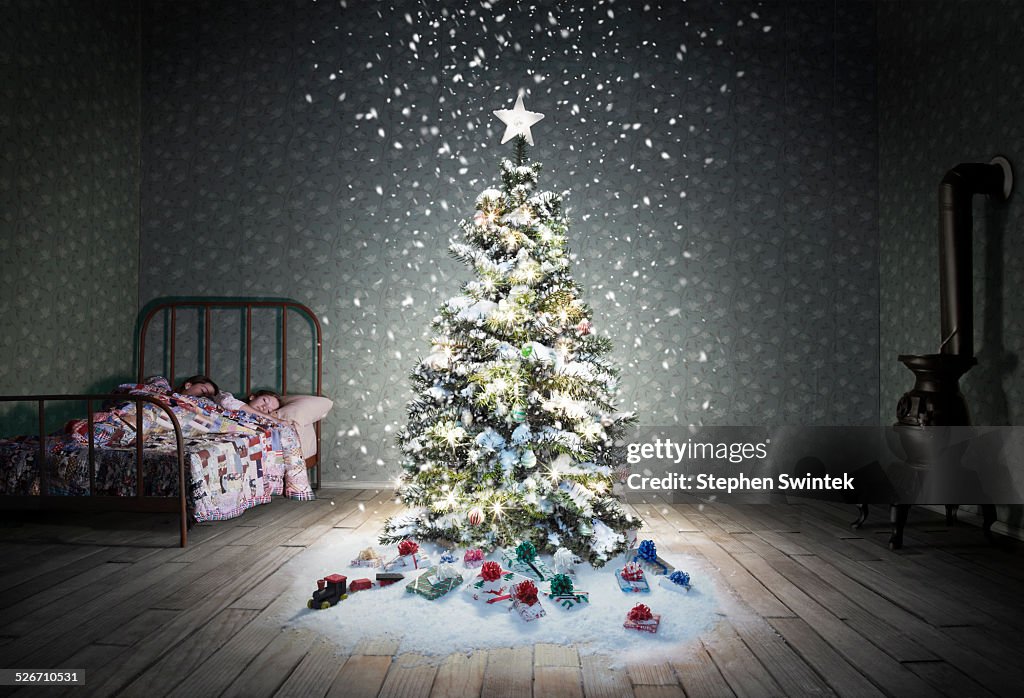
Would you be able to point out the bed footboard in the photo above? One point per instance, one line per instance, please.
(139, 502)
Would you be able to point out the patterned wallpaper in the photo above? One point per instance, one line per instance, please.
(720, 160)
(69, 104)
(937, 109)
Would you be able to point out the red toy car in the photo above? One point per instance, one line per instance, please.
(361, 584)
(329, 591)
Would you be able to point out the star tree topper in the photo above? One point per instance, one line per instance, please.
(518, 121)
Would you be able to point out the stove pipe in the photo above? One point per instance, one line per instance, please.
(956, 287)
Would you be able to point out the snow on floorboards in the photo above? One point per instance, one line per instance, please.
(457, 623)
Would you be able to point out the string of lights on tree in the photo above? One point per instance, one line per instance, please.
(511, 434)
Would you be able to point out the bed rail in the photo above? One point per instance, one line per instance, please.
(208, 305)
(141, 502)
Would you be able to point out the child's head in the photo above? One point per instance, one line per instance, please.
(199, 386)
(265, 401)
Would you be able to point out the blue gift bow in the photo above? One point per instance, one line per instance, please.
(681, 578)
(648, 552)
(448, 557)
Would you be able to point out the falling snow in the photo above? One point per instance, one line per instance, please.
(428, 153)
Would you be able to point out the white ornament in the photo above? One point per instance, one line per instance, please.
(518, 121)
(564, 561)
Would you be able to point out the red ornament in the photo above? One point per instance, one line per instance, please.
(526, 592)
(476, 516)
(490, 570)
(408, 547)
(640, 612)
(583, 327)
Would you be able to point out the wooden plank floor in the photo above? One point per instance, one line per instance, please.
(810, 608)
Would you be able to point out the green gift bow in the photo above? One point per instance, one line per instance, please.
(561, 585)
(526, 552)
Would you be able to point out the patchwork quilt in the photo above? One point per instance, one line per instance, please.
(233, 460)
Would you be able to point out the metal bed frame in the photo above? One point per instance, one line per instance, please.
(141, 501)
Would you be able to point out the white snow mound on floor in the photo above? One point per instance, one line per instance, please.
(457, 623)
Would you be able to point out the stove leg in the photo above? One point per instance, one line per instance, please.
(898, 516)
(988, 517)
(862, 516)
(951, 514)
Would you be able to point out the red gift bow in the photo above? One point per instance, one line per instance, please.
(474, 554)
(526, 592)
(632, 572)
(639, 612)
(490, 571)
(408, 547)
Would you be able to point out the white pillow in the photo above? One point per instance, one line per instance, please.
(303, 409)
(307, 439)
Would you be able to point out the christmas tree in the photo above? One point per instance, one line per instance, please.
(512, 434)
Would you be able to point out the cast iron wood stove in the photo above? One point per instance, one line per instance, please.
(936, 400)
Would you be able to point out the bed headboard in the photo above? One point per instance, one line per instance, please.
(168, 308)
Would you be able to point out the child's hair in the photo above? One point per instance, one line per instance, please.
(260, 393)
(199, 379)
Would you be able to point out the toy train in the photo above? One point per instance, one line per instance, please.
(329, 591)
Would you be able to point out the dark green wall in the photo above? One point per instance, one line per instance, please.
(69, 178)
(951, 75)
(720, 159)
(951, 90)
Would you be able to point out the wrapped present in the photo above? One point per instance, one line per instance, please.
(564, 595)
(388, 578)
(565, 561)
(473, 558)
(631, 578)
(526, 602)
(641, 618)
(493, 586)
(677, 581)
(360, 585)
(410, 557)
(435, 582)
(646, 555)
(523, 560)
(368, 558)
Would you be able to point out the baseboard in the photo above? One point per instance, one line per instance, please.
(360, 485)
(964, 515)
(969, 517)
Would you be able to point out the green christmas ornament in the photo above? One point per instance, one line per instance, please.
(528, 459)
(526, 552)
(585, 528)
(519, 414)
(526, 350)
(561, 585)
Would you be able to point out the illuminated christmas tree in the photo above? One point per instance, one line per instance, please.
(511, 435)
